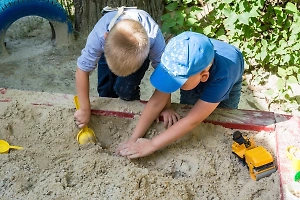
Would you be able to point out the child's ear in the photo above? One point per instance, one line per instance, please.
(204, 76)
(105, 35)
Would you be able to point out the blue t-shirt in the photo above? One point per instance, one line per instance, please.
(94, 47)
(227, 69)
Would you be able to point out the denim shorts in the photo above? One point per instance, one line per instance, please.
(192, 96)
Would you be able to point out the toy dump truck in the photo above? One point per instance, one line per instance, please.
(259, 161)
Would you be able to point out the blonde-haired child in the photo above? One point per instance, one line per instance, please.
(122, 44)
(126, 47)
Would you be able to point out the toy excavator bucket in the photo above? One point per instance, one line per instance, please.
(240, 139)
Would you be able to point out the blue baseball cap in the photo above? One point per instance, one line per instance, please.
(185, 55)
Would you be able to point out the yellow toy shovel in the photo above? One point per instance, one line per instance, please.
(85, 135)
(4, 147)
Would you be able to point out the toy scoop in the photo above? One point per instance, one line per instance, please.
(4, 147)
(85, 135)
(293, 154)
(297, 177)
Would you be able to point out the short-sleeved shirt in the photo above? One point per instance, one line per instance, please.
(94, 47)
(227, 69)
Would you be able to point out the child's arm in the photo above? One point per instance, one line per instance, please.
(151, 111)
(144, 147)
(154, 106)
(82, 115)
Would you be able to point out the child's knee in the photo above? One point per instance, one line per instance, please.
(127, 93)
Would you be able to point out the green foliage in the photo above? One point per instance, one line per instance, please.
(268, 34)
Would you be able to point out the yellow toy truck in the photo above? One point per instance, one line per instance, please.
(259, 161)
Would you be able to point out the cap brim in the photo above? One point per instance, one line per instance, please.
(165, 82)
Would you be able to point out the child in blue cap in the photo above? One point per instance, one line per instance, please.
(209, 74)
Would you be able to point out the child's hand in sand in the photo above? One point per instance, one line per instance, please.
(123, 145)
(142, 147)
(82, 117)
(170, 117)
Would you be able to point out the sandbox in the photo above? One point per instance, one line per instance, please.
(53, 165)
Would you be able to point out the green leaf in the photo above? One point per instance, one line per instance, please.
(292, 80)
(207, 30)
(292, 39)
(281, 72)
(244, 18)
(253, 12)
(280, 84)
(296, 47)
(269, 92)
(264, 42)
(195, 11)
(286, 58)
(220, 32)
(278, 11)
(179, 16)
(291, 7)
(165, 29)
(263, 53)
(228, 1)
(287, 96)
(228, 25)
(187, 1)
(191, 21)
(295, 28)
(172, 6)
(227, 12)
(241, 7)
(222, 37)
(260, 3)
(230, 20)
(170, 23)
(280, 51)
(275, 62)
(271, 46)
(166, 17)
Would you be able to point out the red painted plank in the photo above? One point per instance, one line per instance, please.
(253, 120)
(5, 100)
(113, 113)
(242, 126)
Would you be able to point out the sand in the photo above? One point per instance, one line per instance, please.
(54, 166)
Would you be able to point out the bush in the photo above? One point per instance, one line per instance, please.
(268, 34)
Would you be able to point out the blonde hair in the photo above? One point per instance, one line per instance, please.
(126, 47)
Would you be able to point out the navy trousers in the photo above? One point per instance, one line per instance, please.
(126, 88)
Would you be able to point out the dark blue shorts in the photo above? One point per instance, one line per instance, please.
(126, 88)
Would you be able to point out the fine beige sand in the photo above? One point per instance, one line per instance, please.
(53, 165)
